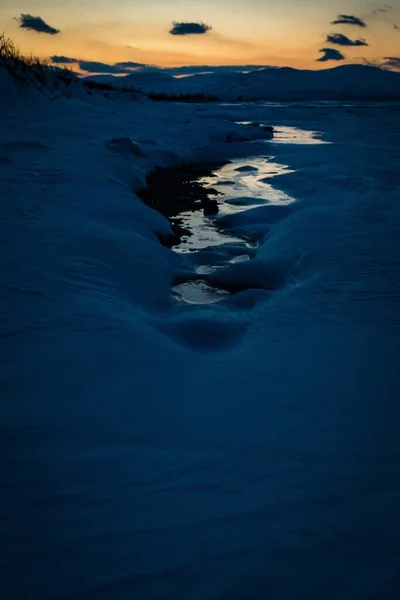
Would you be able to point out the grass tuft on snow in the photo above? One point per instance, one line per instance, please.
(25, 69)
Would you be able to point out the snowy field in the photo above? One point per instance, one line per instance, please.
(154, 448)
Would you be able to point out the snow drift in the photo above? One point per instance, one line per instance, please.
(156, 450)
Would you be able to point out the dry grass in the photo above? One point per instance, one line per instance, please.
(25, 69)
(39, 73)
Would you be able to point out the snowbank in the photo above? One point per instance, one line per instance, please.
(160, 450)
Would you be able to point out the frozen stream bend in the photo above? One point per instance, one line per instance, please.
(242, 184)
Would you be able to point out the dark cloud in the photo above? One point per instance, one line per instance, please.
(330, 54)
(343, 40)
(348, 20)
(127, 67)
(36, 24)
(370, 63)
(196, 69)
(120, 68)
(131, 65)
(63, 60)
(180, 28)
(91, 66)
(391, 62)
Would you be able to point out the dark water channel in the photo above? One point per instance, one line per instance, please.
(193, 198)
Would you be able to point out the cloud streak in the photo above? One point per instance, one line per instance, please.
(182, 28)
(63, 60)
(391, 62)
(196, 69)
(92, 66)
(36, 24)
(129, 65)
(343, 40)
(330, 54)
(348, 20)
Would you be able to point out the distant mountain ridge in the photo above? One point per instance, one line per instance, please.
(346, 82)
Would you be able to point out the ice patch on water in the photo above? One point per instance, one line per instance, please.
(246, 169)
(199, 292)
(224, 183)
(204, 233)
(243, 201)
(240, 258)
(207, 269)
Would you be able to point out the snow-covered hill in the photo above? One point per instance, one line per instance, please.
(147, 81)
(348, 82)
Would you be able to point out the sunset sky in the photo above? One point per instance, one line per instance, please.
(260, 32)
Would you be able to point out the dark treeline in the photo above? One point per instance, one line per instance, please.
(156, 96)
(107, 87)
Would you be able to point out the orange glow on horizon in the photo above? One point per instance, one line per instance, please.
(114, 34)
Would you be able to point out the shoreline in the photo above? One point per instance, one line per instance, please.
(174, 190)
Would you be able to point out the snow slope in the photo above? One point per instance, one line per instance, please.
(347, 82)
(157, 450)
